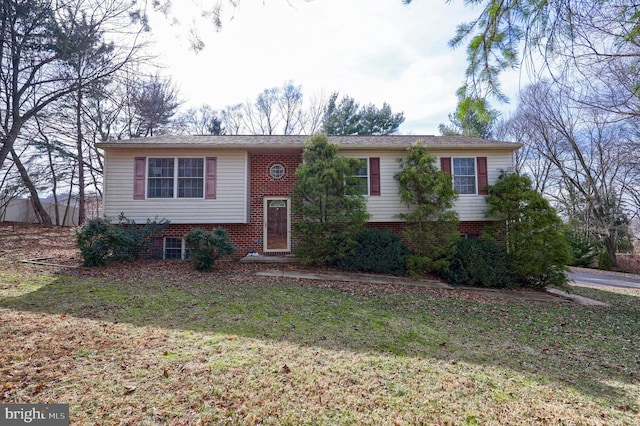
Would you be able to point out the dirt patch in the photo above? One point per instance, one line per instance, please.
(22, 241)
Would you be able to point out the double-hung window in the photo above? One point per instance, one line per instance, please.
(464, 175)
(470, 174)
(190, 177)
(368, 174)
(160, 178)
(175, 248)
(175, 178)
(362, 173)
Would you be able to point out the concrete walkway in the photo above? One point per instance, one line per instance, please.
(353, 277)
(585, 301)
(424, 283)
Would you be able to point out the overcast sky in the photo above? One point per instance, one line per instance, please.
(373, 50)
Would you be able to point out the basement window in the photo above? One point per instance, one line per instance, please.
(174, 248)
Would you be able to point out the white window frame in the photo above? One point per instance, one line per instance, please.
(475, 175)
(176, 178)
(279, 166)
(367, 176)
(184, 252)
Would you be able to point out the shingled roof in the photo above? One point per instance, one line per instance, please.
(297, 141)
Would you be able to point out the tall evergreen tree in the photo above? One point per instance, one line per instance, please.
(472, 117)
(531, 230)
(431, 231)
(329, 201)
(347, 117)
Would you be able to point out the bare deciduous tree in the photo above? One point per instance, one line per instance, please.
(581, 159)
(155, 101)
(35, 41)
(203, 120)
(276, 111)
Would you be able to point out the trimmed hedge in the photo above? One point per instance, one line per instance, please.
(479, 263)
(377, 251)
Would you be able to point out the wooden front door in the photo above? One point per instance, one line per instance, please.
(276, 224)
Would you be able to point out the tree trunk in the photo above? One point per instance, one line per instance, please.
(81, 193)
(54, 182)
(42, 214)
(67, 207)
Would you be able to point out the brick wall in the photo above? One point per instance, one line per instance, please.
(247, 237)
(472, 229)
(263, 185)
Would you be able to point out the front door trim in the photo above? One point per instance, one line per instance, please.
(265, 230)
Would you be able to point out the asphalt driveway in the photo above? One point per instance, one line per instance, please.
(602, 279)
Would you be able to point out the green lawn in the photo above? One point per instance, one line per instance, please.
(232, 348)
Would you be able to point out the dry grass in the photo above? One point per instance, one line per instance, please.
(156, 343)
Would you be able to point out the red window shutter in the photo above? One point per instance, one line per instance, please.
(210, 183)
(374, 175)
(483, 176)
(157, 247)
(139, 175)
(445, 165)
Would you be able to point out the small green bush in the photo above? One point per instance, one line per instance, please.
(604, 261)
(139, 241)
(98, 239)
(207, 247)
(376, 251)
(479, 263)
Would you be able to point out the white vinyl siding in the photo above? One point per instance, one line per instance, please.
(229, 206)
(387, 206)
(472, 207)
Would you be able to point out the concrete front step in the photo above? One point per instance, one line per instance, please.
(269, 259)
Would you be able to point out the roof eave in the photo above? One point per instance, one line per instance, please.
(259, 147)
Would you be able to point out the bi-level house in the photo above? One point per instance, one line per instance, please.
(244, 183)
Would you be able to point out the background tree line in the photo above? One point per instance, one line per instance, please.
(76, 72)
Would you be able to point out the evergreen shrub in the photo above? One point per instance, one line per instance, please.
(139, 237)
(583, 248)
(479, 263)
(206, 247)
(328, 198)
(376, 251)
(98, 239)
